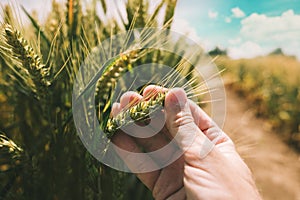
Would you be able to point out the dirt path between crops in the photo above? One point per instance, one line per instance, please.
(276, 168)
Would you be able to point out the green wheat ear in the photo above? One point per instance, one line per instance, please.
(31, 65)
(138, 112)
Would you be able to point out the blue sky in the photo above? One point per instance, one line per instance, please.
(246, 28)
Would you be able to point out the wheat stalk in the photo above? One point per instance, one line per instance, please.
(73, 16)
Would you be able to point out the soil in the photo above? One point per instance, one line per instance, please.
(275, 166)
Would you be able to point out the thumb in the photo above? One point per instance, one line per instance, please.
(180, 123)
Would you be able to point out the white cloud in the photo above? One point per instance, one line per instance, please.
(247, 49)
(235, 41)
(262, 27)
(237, 12)
(182, 26)
(213, 14)
(227, 20)
(278, 31)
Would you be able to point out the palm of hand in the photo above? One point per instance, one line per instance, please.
(220, 174)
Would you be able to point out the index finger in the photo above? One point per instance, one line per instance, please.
(126, 148)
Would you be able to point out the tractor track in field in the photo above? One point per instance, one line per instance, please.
(275, 166)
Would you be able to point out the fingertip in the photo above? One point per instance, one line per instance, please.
(175, 99)
(116, 108)
(152, 90)
(180, 121)
(129, 98)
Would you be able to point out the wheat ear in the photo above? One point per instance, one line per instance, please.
(30, 61)
(140, 111)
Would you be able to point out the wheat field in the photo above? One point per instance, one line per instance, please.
(41, 154)
(270, 85)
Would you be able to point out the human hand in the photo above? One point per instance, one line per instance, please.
(208, 166)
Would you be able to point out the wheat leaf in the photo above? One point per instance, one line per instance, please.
(37, 27)
(103, 3)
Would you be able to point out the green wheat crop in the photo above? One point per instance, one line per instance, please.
(39, 63)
